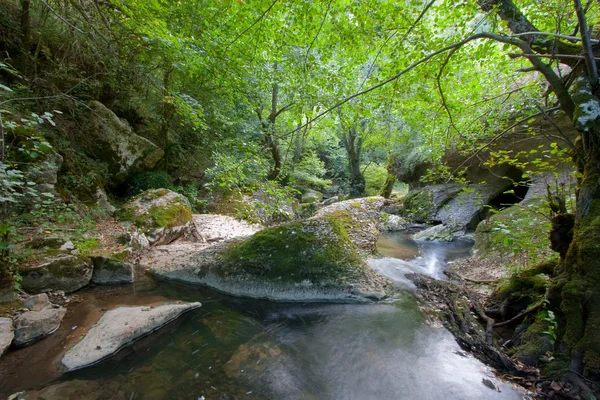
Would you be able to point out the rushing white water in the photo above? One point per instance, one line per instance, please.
(406, 256)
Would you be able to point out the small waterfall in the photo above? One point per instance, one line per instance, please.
(427, 257)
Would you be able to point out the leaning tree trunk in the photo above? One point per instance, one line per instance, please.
(576, 289)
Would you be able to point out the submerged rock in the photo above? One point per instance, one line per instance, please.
(75, 389)
(119, 328)
(360, 219)
(68, 273)
(6, 334)
(311, 260)
(161, 215)
(32, 326)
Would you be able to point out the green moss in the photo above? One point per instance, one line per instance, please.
(356, 204)
(313, 250)
(175, 214)
(524, 284)
(125, 214)
(418, 205)
(344, 218)
(67, 267)
(154, 194)
(535, 342)
(87, 247)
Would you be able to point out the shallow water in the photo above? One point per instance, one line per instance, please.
(233, 348)
(403, 255)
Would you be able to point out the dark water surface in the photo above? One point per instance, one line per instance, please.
(242, 349)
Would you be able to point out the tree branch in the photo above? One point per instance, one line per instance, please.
(587, 45)
(242, 33)
(554, 80)
(61, 17)
(318, 32)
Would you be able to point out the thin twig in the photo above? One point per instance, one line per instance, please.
(252, 25)
(61, 17)
(318, 32)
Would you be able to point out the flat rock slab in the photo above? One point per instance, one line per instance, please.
(119, 328)
(32, 326)
(6, 334)
(214, 227)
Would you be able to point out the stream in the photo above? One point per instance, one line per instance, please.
(235, 348)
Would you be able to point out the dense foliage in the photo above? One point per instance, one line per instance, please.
(247, 106)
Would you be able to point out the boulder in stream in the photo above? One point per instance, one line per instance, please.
(443, 233)
(119, 328)
(32, 326)
(310, 260)
(360, 218)
(111, 270)
(160, 214)
(6, 334)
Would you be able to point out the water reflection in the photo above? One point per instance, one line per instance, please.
(246, 349)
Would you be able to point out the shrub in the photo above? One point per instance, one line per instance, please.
(375, 176)
(148, 180)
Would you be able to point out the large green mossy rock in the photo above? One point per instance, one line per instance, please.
(310, 260)
(68, 273)
(535, 343)
(160, 214)
(112, 141)
(422, 204)
(359, 217)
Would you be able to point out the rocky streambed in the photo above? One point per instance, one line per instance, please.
(136, 342)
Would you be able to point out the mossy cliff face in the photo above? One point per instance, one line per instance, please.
(311, 260)
(162, 215)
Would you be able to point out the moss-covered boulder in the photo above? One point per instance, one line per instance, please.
(68, 273)
(160, 214)
(392, 223)
(536, 341)
(359, 217)
(422, 204)
(311, 260)
(112, 141)
(311, 196)
(520, 291)
(112, 269)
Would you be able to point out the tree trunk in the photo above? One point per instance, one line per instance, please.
(353, 145)
(268, 126)
(575, 290)
(388, 186)
(25, 5)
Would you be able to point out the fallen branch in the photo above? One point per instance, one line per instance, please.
(519, 316)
